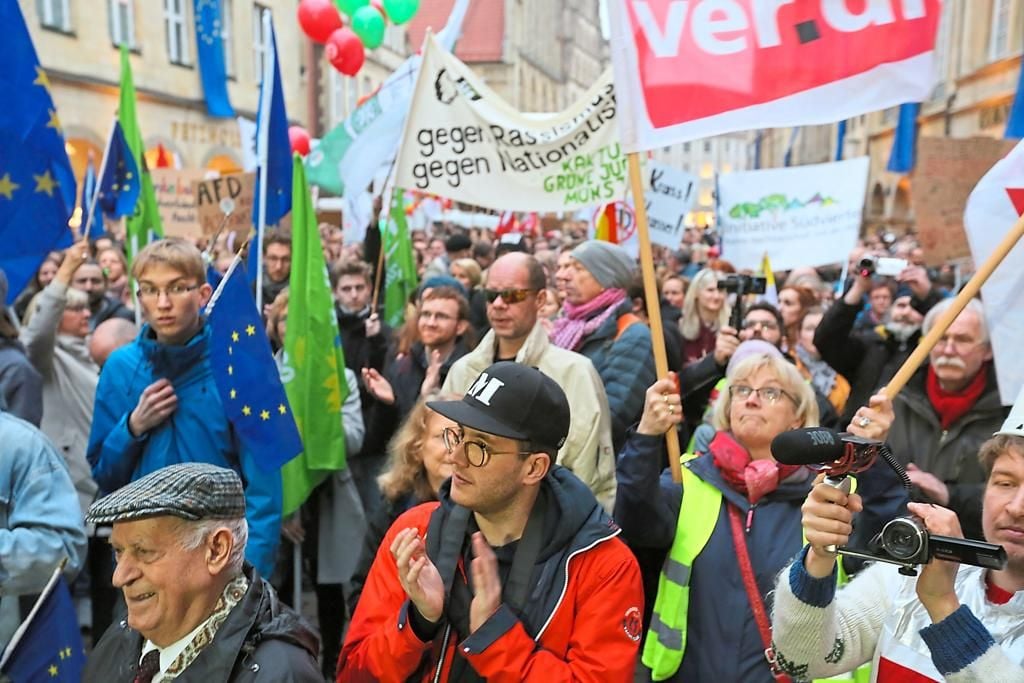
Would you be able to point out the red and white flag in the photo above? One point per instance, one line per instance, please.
(995, 204)
(687, 69)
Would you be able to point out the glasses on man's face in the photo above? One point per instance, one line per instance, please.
(509, 296)
(477, 452)
(765, 324)
(151, 293)
(741, 392)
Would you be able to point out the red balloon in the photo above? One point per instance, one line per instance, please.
(345, 51)
(299, 138)
(318, 19)
(379, 6)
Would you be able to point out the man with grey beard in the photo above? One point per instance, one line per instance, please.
(946, 411)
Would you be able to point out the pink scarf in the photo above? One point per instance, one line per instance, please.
(753, 478)
(577, 322)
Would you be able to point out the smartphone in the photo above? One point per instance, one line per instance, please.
(890, 267)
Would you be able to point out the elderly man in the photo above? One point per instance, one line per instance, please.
(516, 574)
(195, 608)
(42, 524)
(946, 411)
(598, 322)
(515, 295)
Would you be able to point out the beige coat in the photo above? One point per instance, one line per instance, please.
(587, 451)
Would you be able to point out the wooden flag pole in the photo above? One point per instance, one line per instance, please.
(653, 298)
(969, 291)
(377, 276)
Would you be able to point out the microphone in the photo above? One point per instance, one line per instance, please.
(808, 446)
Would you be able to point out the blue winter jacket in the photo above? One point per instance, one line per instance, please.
(723, 643)
(197, 431)
(626, 367)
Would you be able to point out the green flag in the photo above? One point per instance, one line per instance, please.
(400, 263)
(314, 365)
(146, 218)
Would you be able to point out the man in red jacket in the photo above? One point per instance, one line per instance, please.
(517, 574)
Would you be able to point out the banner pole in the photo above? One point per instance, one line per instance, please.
(653, 298)
(969, 291)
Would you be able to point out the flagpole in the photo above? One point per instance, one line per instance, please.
(99, 181)
(969, 291)
(653, 299)
(23, 627)
(262, 151)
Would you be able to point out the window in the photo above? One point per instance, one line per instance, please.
(999, 33)
(54, 14)
(175, 22)
(122, 22)
(686, 147)
(227, 27)
(260, 40)
(707, 147)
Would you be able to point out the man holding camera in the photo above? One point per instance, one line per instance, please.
(950, 623)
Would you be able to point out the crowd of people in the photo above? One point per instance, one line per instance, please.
(507, 511)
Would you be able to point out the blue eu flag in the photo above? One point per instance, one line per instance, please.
(247, 378)
(901, 158)
(37, 185)
(212, 69)
(50, 649)
(275, 149)
(120, 184)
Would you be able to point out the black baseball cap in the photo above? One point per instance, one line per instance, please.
(514, 401)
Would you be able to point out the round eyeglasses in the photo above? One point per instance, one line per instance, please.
(477, 452)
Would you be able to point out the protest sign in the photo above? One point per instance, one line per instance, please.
(670, 194)
(464, 142)
(946, 172)
(176, 201)
(801, 215)
(687, 70)
(992, 209)
(239, 188)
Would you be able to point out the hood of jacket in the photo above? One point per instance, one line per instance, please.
(173, 361)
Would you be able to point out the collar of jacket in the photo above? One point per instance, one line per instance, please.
(173, 361)
(530, 353)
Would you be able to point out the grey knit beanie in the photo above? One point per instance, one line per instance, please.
(609, 263)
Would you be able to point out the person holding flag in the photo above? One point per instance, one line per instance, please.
(157, 402)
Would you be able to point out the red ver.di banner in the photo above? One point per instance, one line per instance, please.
(687, 69)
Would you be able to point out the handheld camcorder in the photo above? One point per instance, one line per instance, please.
(889, 267)
(741, 285)
(903, 541)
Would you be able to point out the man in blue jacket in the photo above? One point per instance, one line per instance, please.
(157, 402)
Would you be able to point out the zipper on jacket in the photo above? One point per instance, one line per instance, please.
(750, 518)
(444, 648)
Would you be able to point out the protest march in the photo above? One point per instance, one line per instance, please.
(557, 340)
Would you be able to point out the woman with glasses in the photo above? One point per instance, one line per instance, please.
(735, 500)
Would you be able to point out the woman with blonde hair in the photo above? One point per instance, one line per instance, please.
(705, 312)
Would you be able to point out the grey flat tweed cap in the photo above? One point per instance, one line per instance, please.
(190, 491)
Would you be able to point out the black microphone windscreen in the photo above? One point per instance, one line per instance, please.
(808, 446)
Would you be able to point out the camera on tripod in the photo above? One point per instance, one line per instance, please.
(741, 285)
(903, 541)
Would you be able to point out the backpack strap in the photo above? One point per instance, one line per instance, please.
(625, 321)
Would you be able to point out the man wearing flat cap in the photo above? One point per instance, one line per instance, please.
(599, 323)
(196, 610)
(516, 574)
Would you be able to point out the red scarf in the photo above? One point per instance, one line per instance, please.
(952, 406)
(753, 478)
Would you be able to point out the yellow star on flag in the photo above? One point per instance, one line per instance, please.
(246, 410)
(281, 409)
(234, 336)
(65, 653)
(233, 393)
(231, 370)
(7, 187)
(250, 330)
(54, 121)
(45, 183)
(53, 670)
(41, 78)
(264, 414)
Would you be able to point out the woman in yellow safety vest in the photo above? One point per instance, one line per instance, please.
(705, 625)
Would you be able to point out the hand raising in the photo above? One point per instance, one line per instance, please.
(419, 577)
(486, 584)
(662, 408)
(378, 386)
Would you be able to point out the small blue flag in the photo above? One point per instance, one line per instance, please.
(247, 377)
(37, 185)
(50, 649)
(94, 230)
(121, 183)
(272, 122)
(212, 68)
(1015, 124)
(901, 159)
(840, 140)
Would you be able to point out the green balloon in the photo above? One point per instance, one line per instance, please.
(368, 24)
(350, 7)
(401, 11)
